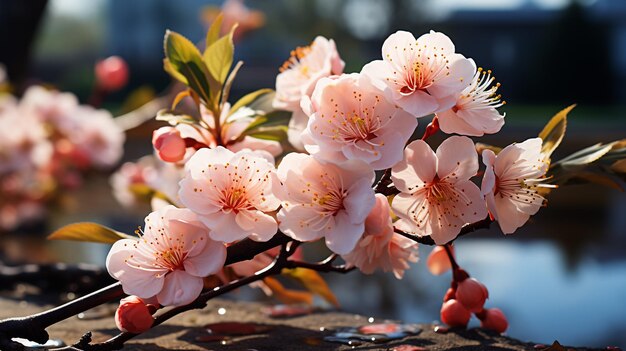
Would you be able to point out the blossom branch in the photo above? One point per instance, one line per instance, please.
(466, 229)
(117, 342)
(325, 265)
(385, 186)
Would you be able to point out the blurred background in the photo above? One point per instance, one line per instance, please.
(562, 276)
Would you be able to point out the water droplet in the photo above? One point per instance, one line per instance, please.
(221, 311)
(322, 329)
(370, 319)
(70, 296)
(377, 333)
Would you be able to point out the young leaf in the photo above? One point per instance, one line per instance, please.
(586, 156)
(229, 83)
(480, 147)
(313, 282)
(219, 57)
(553, 132)
(274, 133)
(87, 231)
(184, 58)
(248, 99)
(172, 118)
(214, 31)
(179, 97)
(169, 68)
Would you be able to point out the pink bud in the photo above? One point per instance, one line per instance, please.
(133, 315)
(111, 73)
(438, 261)
(454, 314)
(472, 294)
(493, 319)
(450, 294)
(168, 143)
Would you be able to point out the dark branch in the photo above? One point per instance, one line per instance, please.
(466, 229)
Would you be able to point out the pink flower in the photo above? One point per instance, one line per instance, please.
(422, 76)
(232, 193)
(111, 73)
(437, 197)
(351, 120)
(169, 145)
(133, 315)
(96, 135)
(494, 319)
(454, 314)
(380, 247)
(325, 200)
(472, 294)
(475, 111)
(511, 181)
(169, 260)
(304, 68)
(298, 78)
(438, 261)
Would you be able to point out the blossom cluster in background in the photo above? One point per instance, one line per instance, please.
(47, 142)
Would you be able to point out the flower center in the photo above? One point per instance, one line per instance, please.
(295, 59)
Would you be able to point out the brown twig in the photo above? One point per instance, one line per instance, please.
(466, 229)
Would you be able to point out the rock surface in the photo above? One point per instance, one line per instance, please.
(290, 334)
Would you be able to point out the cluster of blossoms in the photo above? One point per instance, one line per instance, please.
(237, 185)
(47, 140)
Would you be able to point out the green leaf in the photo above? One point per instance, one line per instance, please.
(173, 118)
(219, 57)
(271, 119)
(214, 31)
(553, 132)
(185, 59)
(87, 231)
(169, 68)
(248, 99)
(274, 133)
(229, 83)
(480, 147)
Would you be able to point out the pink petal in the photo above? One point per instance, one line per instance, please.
(209, 261)
(509, 217)
(418, 167)
(261, 226)
(451, 122)
(359, 201)
(437, 40)
(458, 159)
(343, 238)
(192, 193)
(293, 222)
(192, 236)
(142, 283)
(180, 288)
(224, 227)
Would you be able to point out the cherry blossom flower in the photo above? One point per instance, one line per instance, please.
(351, 119)
(232, 193)
(298, 77)
(421, 76)
(169, 260)
(437, 198)
(511, 181)
(325, 200)
(96, 135)
(380, 247)
(475, 112)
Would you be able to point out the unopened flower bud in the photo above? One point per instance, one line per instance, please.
(133, 315)
(111, 73)
(493, 319)
(472, 294)
(438, 261)
(454, 314)
(169, 144)
(450, 294)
